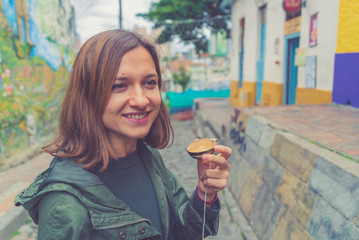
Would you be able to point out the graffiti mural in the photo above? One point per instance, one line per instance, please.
(47, 26)
(37, 44)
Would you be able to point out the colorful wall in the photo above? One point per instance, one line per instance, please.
(314, 80)
(37, 45)
(346, 71)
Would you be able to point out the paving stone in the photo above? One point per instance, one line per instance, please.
(337, 121)
(11, 221)
(229, 228)
(28, 231)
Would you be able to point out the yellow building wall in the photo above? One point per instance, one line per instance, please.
(348, 30)
(306, 96)
(242, 97)
(272, 94)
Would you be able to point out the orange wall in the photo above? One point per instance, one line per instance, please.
(272, 94)
(312, 96)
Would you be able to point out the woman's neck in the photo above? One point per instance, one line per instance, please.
(123, 148)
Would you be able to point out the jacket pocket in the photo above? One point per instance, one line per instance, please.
(133, 231)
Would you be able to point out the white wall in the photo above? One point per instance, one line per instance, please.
(249, 11)
(327, 41)
(275, 31)
(273, 72)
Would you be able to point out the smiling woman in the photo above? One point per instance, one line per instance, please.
(107, 179)
(134, 102)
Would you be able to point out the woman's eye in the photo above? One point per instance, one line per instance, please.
(151, 82)
(118, 86)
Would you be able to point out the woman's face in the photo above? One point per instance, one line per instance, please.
(135, 98)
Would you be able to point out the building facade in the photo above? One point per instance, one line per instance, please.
(293, 52)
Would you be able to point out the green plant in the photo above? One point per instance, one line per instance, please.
(15, 233)
(329, 149)
(182, 78)
(187, 19)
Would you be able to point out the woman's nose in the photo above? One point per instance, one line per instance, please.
(138, 98)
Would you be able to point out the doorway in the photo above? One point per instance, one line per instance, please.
(290, 70)
(241, 51)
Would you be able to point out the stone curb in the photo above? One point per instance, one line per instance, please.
(11, 221)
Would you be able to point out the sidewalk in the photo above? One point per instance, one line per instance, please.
(335, 127)
(331, 126)
(12, 182)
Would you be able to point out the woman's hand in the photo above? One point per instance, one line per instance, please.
(213, 172)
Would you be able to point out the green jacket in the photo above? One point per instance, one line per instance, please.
(69, 202)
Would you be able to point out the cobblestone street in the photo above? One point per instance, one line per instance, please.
(184, 167)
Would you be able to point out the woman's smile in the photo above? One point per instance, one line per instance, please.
(137, 117)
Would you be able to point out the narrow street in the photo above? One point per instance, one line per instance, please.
(184, 167)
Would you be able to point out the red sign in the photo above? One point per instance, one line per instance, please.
(292, 5)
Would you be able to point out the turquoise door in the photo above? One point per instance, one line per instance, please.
(241, 52)
(291, 71)
(260, 62)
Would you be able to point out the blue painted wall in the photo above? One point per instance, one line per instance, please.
(346, 79)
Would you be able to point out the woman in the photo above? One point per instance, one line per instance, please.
(107, 179)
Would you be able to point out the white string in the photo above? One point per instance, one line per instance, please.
(204, 209)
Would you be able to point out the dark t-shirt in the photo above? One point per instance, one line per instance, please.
(128, 179)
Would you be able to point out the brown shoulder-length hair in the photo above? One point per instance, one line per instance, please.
(82, 135)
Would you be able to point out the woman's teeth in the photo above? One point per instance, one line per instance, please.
(136, 116)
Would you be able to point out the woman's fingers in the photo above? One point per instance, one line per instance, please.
(213, 185)
(226, 152)
(213, 169)
(217, 160)
(215, 174)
